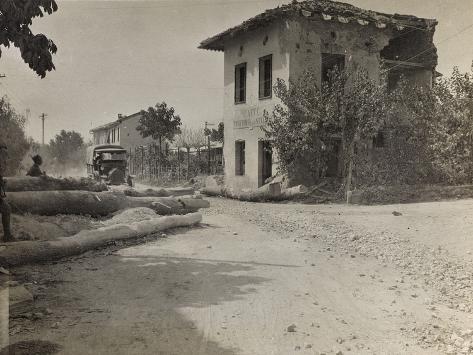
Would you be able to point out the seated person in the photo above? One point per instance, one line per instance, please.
(35, 170)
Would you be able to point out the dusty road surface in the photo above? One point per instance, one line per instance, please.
(269, 279)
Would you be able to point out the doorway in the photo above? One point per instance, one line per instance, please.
(265, 151)
(333, 159)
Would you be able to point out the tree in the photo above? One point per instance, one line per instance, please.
(314, 118)
(444, 114)
(15, 20)
(66, 147)
(12, 133)
(217, 135)
(190, 138)
(159, 122)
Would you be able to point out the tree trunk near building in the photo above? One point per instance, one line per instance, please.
(94, 204)
(349, 173)
(47, 183)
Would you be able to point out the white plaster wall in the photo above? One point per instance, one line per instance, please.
(253, 109)
(129, 136)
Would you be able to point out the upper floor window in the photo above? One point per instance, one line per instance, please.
(265, 76)
(240, 83)
(329, 63)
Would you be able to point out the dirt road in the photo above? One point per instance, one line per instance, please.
(270, 279)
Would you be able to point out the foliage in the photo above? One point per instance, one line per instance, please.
(428, 131)
(159, 122)
(190, 138)
(12, 133)
(216, 135)
(15, 20)
(64, 155)
(65, 144)
(445, 114)
(315, 118)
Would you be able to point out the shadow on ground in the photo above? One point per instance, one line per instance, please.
(122, 305)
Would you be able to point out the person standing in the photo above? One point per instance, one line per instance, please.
(5, 209)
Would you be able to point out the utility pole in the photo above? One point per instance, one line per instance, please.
(43, 117)
(207, 133)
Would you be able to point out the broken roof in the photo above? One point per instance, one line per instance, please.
(326, 9)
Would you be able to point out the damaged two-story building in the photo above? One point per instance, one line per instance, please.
(285, 41)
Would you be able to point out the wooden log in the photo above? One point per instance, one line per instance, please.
(93, 203)
(181, 191)
(294, 192)
(268, 192)
(21, 253)
(48, 183)
(213, 191)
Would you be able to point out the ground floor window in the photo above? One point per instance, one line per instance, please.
(240, 158)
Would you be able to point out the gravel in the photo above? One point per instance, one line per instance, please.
(435, 268)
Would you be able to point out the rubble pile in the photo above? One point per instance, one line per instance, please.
(34, 227)
(131, 215)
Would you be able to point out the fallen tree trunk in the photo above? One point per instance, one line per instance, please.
(214, 191)
(50, 203)
(180, 191)
(20, 253)
(268, 192)
(48, 183)
(294, 192)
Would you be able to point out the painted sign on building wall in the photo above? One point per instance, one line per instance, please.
(250, 117)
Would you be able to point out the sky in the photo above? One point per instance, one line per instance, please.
(123, 56)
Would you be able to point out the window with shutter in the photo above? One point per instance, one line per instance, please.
(240, 83)
(265, 77)
(240, 158)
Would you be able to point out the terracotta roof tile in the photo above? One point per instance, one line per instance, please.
(326, 9)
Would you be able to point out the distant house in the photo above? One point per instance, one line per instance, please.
(122, 132)
(285, 41)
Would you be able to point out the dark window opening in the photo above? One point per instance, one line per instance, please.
(394, 77)
(333, 159)
(330, 62)
(265, 76)
(378, 140)
(265, 162)
(240, 158)
(240, 83)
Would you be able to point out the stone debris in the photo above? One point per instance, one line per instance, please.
(291, 328)
(131, 215)
(435, 268)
